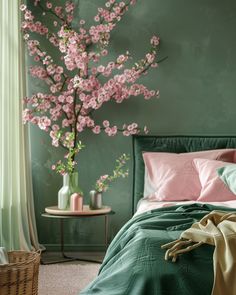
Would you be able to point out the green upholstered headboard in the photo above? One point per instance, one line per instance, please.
(170, 144)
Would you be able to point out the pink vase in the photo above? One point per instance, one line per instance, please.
(76, 202)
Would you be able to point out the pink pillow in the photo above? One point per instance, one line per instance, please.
(213, 188)
(173, 177)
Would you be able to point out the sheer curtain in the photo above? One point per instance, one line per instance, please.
(17, 220)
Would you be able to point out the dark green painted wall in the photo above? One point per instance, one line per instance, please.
(197, 96)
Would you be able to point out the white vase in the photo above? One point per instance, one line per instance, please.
(70, 186)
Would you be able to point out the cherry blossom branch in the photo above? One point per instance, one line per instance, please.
(60, 141)
(74, 98)
(75, 123)
(44, 9)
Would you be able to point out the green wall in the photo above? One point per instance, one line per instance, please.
(197, 96)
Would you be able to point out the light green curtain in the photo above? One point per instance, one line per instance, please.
(17, 220)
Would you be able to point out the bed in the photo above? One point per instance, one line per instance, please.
(134, 263)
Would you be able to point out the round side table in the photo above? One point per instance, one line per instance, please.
(61, 215)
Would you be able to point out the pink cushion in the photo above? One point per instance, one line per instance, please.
(213, 188)
(173, 177)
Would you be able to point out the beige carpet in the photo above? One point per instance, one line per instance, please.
(65, 279)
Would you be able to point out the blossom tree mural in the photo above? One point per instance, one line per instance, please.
(80, 82)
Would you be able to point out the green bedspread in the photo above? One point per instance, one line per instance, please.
(135, 265)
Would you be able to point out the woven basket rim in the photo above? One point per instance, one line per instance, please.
(34, 256)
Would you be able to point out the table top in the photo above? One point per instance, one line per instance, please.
(54, 211)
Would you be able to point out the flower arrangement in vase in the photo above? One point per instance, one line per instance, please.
(79, 82)
(104, 181)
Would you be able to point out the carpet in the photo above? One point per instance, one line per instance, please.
(66, 279)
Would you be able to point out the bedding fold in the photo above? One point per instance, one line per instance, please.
(134, 263)
(217, 229)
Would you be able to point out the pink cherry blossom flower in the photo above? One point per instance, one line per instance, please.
(100, 69)
(53, 89)
(150, 57)
(66, 108)
(104, 52)
(155, 40)
(108, 131)
(58, 10)
(69, 99)
(57, 77)
(59, 70)
(97, 18)
(44, 122)
(36, 58)
(55, 127)
(49, 5)
(23, 7)
(106, 123)
(114, 130)
(65, 123)
(126, 133)
(130, 127)
(28, 15)
(134, 125)
(69, 7)
(96, 129)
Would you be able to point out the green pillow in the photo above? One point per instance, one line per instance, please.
(228, 175)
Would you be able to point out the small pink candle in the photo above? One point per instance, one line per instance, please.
(76, 202)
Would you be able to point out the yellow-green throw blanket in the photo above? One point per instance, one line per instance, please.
(218, 229)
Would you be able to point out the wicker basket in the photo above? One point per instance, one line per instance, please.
(20, 276)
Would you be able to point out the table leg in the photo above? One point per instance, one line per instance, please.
(65, 257)
(62, 241)
(62, 236)
(106, 231)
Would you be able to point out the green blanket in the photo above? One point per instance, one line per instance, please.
(135, 265)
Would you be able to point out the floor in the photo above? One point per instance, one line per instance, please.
(67, 278)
